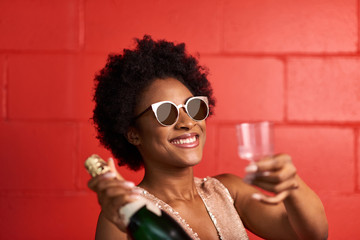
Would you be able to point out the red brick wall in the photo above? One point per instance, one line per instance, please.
(296, 63)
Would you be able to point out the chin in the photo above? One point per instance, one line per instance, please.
(193, 161)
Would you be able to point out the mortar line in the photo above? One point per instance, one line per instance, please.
(356, 159)
(285, 62)
(280, 54)
(217, 144)
(202, 54)
(76, 154)
(358, 26)
(5, 86)
(222, 25)
(81, 11)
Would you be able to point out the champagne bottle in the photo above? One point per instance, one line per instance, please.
(143, 220)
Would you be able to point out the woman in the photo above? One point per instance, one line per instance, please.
(144, 113)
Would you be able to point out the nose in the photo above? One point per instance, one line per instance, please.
(184, 121)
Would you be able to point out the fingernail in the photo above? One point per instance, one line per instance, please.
(137, 191)
(265, 174)
(256, 196)
(134, 197)
(129, 184)
(249, 178)
(251, 168)
(109, 175)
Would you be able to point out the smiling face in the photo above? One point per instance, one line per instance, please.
(178, 145)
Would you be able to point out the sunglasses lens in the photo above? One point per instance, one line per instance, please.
(197, 109)
(167, 114)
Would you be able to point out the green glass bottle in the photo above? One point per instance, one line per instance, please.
(143, 220)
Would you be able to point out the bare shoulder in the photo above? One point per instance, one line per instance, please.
(107, 230)
(236, 186)
(228, 179)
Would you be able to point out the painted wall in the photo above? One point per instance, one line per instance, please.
(296, 63)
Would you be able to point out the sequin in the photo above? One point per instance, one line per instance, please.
(219, 205)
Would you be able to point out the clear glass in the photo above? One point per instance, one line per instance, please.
(255, 140)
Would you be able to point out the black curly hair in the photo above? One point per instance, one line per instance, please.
(123, 79)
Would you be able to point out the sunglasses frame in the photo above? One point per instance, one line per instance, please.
(156, 105)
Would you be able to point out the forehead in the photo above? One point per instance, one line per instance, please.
(168, 89)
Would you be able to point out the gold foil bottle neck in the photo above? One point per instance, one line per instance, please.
(95, 165)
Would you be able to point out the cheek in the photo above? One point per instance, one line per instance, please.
(153, 135)
(204, 134)
(203, 128)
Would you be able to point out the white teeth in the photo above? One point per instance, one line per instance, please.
(184, 141)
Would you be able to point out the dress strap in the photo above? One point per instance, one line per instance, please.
(169, 210)
(219, 205)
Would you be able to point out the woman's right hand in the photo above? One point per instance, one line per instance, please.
(113, 192)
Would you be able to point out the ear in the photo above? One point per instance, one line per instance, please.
(132, 136)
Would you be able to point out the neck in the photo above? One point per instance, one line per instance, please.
(170, 185)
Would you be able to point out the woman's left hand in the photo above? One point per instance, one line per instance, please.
(275, 174)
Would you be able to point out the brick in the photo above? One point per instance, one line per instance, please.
(324, 89)
(39, 156)
(39, 25)
(208, 164)
(2, 88)
(228, 160)
(290, 26)
(111, 26)
(86, 68)
(88, 145)
(324, 156)
(49, 217)
(358, 160)
(41, 86)
(61, 86)
(247, 88)
(342, 213)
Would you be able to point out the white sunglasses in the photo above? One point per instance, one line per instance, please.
(167, 113)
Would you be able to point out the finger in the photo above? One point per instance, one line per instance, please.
(117, 197)
(120, 201)
(131, 198)
(284, 174)
(276, 187)
(111, 174)
(118, 192)
(115, 183)
(273, 163)
(269, 165)
(249, 177)
(271, 199)
(113, 168)
(93, 182)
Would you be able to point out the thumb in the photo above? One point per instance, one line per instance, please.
(111, 164)
(271, 199)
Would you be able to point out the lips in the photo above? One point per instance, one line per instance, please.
(186, 140)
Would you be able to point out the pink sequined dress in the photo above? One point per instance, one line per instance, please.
(219, 204)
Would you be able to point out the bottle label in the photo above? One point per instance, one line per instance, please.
(130, 209)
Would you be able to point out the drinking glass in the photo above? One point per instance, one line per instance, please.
(255, 140)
